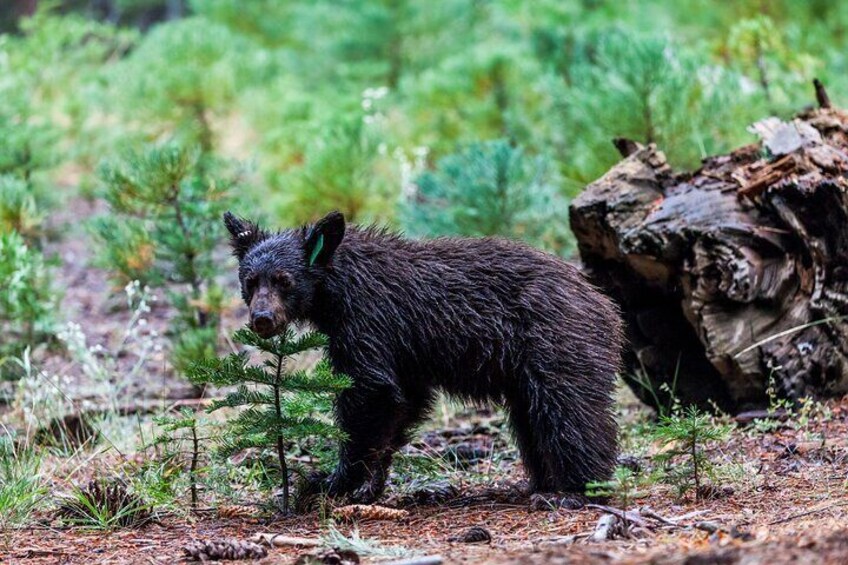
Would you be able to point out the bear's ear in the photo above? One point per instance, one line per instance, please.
(243, 234)
(323, 238)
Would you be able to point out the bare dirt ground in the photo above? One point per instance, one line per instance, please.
(789, 499)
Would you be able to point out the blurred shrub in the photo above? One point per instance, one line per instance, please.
(650, 90)
(339, 171)
(21, 207)
(163, 226)
(761, 52)
(181, 74)
(483, 93)
(491, 189)
(261, 20)
(27, 300)
(52, 93)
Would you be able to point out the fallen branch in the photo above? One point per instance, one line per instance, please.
(633, 517)
(605, 528)
(648, 513)
(426, 560)
(279, 540)
(808, 513)
(750, 416)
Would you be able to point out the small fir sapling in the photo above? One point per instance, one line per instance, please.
(683, 436)
(162, 229)
(180, 432)
(626, 485)
(278, 405)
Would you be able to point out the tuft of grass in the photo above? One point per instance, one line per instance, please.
(363, 547)
(104, 505)
(21, 485)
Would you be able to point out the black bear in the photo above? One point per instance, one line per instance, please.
(481, 319)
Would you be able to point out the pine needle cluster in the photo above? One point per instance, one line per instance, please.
(182, 434)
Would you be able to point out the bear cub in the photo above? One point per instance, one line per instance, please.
(480, 319)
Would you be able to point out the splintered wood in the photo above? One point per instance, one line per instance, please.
(734, 276)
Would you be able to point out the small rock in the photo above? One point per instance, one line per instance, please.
(329, 557)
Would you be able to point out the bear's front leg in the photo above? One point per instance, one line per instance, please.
(369, 413)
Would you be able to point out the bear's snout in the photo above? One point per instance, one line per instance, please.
(267, 313)
(263, 324)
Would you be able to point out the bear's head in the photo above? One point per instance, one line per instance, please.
(278, 271)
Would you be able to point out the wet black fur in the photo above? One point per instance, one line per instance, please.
(481, 319)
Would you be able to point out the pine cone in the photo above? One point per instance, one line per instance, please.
(474, 534)
(232, 511)
(110, 497)
(356, 512)
(231, 549)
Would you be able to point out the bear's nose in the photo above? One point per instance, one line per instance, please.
(263, 323)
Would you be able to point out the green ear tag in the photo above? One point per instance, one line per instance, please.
(319, 245)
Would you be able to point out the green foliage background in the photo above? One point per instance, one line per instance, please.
(458, 117)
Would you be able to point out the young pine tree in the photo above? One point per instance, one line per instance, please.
(684, 436)
(279, 405)
(626, 485)
(161, 230)
(490, 189)
(182, 434)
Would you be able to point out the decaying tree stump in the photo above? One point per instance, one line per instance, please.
(734, 276)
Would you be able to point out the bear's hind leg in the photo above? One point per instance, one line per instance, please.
(522, 429)
(573, 430)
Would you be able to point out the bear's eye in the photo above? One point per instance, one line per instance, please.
(284, 280)
(250, 284)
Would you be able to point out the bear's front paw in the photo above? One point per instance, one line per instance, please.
(367, 494)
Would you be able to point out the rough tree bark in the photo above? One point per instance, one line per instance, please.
(734, 276)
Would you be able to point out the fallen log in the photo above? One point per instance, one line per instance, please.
(733, 278)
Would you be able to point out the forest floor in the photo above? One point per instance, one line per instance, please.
(782, 495)
(790, 505)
